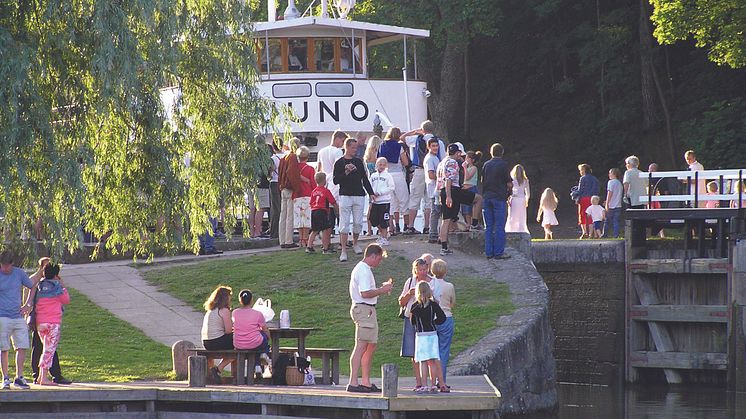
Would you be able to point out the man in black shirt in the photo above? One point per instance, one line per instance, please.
(497, 185)
(351, 176)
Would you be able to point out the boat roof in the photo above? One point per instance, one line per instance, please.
(375, 33)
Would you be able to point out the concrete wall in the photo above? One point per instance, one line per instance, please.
(586, 300)
(517, 354)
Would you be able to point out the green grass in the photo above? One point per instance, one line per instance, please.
(315, 290)
(96, 346)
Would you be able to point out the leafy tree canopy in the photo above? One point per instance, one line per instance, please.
(719, 26)
(85, 139)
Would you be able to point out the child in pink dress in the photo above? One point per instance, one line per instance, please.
(712, 189)
(50, 296)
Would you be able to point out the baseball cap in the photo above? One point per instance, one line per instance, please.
(460, 147)
(453, 148)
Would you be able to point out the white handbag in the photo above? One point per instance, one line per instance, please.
(265, 307)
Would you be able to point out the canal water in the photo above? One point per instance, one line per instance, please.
(634, 402)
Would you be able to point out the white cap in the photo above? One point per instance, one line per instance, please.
(460, 147)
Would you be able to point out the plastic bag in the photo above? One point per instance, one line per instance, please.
(309, 379)
(265, 307)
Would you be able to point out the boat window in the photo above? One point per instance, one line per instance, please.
(297, 54)
(324, 54)
(347, 56)
(275, 57)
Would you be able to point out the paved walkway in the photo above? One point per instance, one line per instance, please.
(118, 287)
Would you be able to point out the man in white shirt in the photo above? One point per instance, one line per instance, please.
(433, 193)
(364, 296)
(416, 140)
(274, 192)
(328, 156)
(691, 160)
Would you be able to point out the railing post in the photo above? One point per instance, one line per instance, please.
(650, 189)
(696, 189)
(689, 188)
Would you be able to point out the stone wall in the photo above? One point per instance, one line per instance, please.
(517, 354)
(586, 304)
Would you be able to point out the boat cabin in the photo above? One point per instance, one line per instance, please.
(318, 66)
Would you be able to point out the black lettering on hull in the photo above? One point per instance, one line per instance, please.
(325, 109)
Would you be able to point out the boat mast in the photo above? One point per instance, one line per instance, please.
(406, 92)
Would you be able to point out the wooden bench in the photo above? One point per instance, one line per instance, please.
(329, 361)
(239, 373)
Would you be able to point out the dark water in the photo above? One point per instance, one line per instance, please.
(635, 402)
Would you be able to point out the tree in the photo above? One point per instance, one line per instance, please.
(718, 26)
(85, 138)
(452, 25)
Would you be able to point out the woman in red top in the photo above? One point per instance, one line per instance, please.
(302, 196)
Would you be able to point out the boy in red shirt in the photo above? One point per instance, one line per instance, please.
(321, 200)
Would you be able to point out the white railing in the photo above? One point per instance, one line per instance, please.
(695, 185)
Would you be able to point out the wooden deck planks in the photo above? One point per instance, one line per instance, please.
(469, 393)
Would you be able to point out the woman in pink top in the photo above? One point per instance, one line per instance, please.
(51, 295)
(249, 329)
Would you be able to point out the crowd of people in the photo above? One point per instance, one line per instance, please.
(427, 302)
(599, 217)
(401, 175)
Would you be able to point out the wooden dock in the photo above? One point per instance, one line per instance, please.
(470, 397)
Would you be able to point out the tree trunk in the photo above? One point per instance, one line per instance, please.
(445, 101)
(602, 89)
(650, 115)
(466, 93)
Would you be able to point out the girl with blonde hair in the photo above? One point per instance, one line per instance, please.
(547, 206)
(426, 314)
(518, 201)
(371, 153)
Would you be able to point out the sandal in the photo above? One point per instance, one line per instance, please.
(433, 389)
(445, 389)
(419, 389)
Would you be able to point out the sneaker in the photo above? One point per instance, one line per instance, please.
(445, 252)
(426, 230)
(62, 380)
(6, 384)
(264, 358)
(383, 241)
(343, 256)
(327, 251)
(20, 382)
(358, 250)
(310, 250)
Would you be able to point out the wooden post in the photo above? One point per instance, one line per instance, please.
(736, 377)
(390, 378)
(197, 371)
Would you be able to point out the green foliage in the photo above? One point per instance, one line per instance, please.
(85, 138)
(719, 26)
(719, 134)
(315, 290)
(96, 346)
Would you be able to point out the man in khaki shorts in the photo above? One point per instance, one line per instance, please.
(364, 295)
(12, 324)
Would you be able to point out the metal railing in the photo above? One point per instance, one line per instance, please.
(730, 186)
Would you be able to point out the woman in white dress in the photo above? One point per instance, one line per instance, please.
(518, 201)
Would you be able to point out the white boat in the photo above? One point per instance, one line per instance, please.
(319, 67)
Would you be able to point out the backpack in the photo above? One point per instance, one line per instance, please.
(278, 369)
(421, 150)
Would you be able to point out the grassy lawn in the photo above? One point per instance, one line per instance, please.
(96, 346)
(315, 290)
